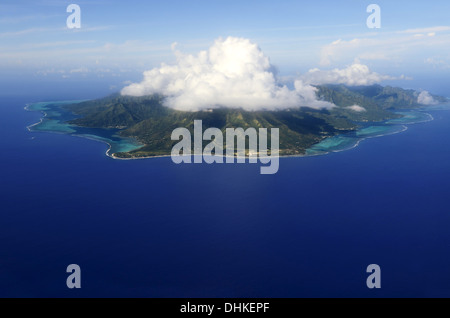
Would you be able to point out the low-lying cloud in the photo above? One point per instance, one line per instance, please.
(235, 73)
(356, 108)
(425, 98)
(353, 75)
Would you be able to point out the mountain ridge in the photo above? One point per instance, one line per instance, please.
(151, 123)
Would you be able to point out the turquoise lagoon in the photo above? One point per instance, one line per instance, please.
(351, 140)
(55, 120)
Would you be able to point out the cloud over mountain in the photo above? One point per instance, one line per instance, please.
(235, 73)
(356, 108)
(425, 98)
(353, 75)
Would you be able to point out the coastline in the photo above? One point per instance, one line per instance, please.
(358, 140)
(40, 120)
(356, 144)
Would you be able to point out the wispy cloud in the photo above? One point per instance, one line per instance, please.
(296, 28)
(11, 34)
(427, 30)
(27, 18)
(27, 31)
(353, 75)
(393, 46)
(92, 29)
(136, 54)
(55, 44)
(439, 62)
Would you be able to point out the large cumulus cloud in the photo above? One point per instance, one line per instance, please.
(234, 72)
(425, 98)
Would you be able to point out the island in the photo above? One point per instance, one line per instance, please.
(360, 111)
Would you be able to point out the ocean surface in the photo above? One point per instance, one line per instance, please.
(150, 228)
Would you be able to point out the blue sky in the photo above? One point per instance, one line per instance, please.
(118, 40)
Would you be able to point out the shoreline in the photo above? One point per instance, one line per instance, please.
(40, 120)
(358, 140)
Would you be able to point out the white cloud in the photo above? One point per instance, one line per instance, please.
(234, 72)
(419, 35)
(26, 31)
(435, 29)
(356, 108)
(353, 75)
(51, 71)
(437, 62)
(79, 70)
(425, 98)
(308, 97)
(396, 46)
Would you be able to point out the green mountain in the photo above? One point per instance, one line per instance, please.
(151, 123)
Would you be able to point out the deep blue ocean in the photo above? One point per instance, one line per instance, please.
(150, 228)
